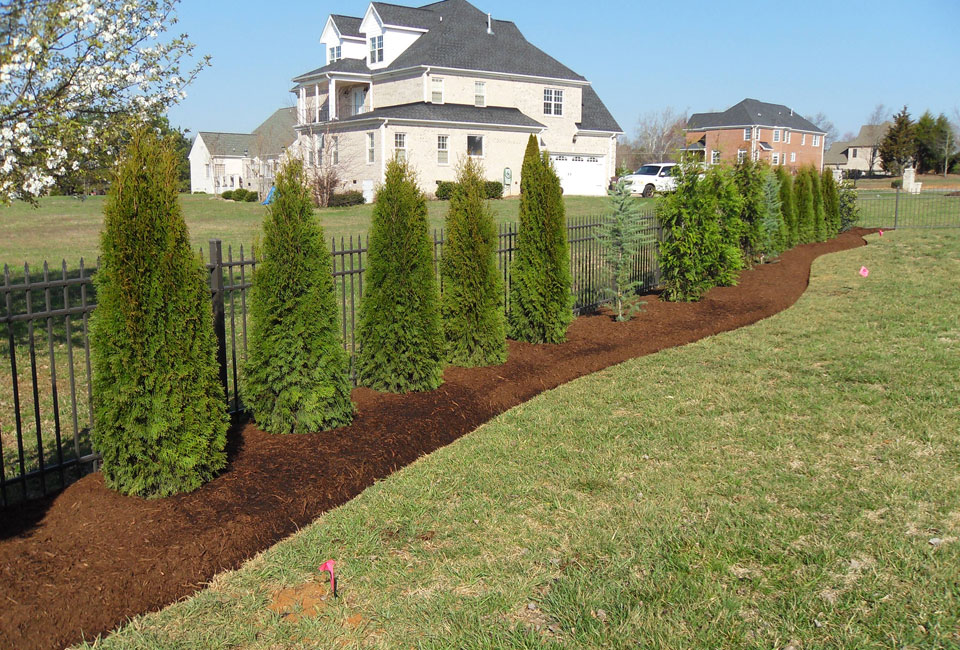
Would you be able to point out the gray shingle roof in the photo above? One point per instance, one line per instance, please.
(835, 154)
(226, 144)
(595, 116)
(451, 113)
(419, 18)
(870, 135)
(267, 140)
(358, 66)
(348, 25)
(753, 112)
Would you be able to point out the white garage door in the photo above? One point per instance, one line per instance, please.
(582, 175)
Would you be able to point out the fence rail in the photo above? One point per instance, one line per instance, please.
(899, 209)
(46, 407)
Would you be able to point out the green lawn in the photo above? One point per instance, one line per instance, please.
(793, 483)
(883, 209)
(67, 228)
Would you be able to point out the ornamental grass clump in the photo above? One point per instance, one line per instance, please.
(621, 237)
(540, 299)
(471, 306)
(160, 418)
(400, 331)
(296, 373)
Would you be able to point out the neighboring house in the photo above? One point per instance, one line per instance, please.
(438, 83)
(861, 154)
(756, 130)
(227, 161)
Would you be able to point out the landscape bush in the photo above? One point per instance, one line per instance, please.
(252, 197)
(227, 195)
(295, 377)
(471, 305)
(346, 199)
(239, 195)
(494, 189)
(160, 418)
(445, 190)
(621, 238)
(400, 330)
(847, 206)
(540, 299)
(491, 189)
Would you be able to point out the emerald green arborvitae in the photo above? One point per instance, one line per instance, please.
(540, 299)
(831, 203)
(160, 418)
(749, 177)
(788, 205)
(819, 213)
(773, 231)
(621, 237)
(400, 332)
(803, 191)
(296, 373)
(472, 302)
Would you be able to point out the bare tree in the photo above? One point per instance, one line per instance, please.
(659, 135)
(824, 123)
(327, 165)
(879, 115)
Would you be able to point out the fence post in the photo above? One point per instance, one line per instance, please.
(896, 210)
(219, 312)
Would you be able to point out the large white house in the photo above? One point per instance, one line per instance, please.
(228, 161)
(434, 84)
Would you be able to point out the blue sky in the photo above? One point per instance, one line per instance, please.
(841, 57)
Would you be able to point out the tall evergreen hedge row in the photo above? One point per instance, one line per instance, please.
(819, 216)
(160, 417)
(803, 195)
(400, 331)
(831, 203)
(471, 306)
(788, 206)
(296, 373)
(540, 299)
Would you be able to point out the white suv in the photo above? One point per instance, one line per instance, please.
(653, 177)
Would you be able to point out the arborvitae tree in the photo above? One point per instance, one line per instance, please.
(540, 299)
(831, 203)
(621, 238)
(788, 207)
(472, 302)
(773, 231)
(803, 192)
(400, 332)
(701, 221)
(819, 213)
(296, 373)
(160, 415)
(749, 177)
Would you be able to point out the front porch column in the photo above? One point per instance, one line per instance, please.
(316, 103)
(302, 106)
(333, 99)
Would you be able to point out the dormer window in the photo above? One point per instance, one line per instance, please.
(552, 101)
(335, 54)
(376, 49)
(436, 86)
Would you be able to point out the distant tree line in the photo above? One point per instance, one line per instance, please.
(929, 143)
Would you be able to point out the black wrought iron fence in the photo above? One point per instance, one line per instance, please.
(900, 209)
(46, 411)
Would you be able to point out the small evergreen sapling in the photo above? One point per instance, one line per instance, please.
(471, 305)
(160, 418)
(400, 330)
(621, 238)
(295, 376)
(540, 299)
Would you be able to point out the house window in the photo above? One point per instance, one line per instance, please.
(376, 49)
(310, 158)
(219, 170)
(335, 153)
(335, 54)
(207, 166)
(786, 137)
(741, 155)
(816, 141)
(793, 156)
(776, 135)
(552, 101)
(803, 139)
(854, 154)
(776, 159)
(371, 149)
(756, 156)
(436, 95)
(400, 145)
(480, 93)
(443, 150)
(475, 146)
(714, 157)
(758, 132)
(746, 133)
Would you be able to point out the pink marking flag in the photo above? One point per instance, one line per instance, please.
(864, 271)
(328, 566)
(881, 233)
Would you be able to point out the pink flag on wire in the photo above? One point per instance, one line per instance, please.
(864, 271)
(881, 232)
(328, 566)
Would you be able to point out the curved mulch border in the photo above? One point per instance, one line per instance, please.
(80, 564)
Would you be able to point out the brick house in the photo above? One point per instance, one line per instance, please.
(437, 83)
(758, 131)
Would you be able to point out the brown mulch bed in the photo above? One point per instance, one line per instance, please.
(81, 563)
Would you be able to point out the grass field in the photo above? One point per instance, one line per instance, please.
(791, 484)
(884, 209)
(930, 182)
(67, 228)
